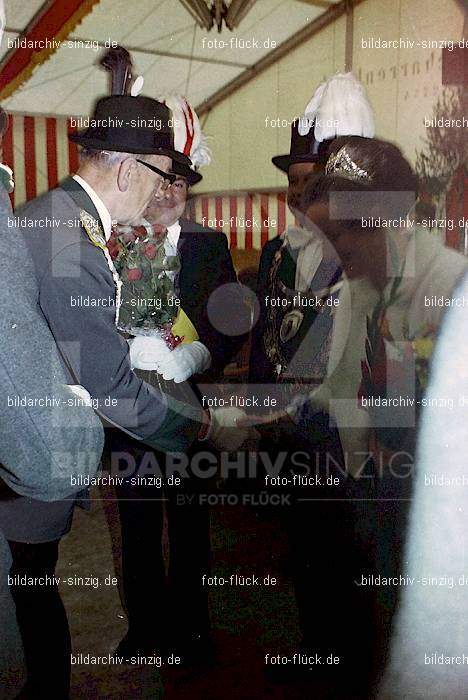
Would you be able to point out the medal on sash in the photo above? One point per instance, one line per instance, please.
(284, 321)
(290, 325)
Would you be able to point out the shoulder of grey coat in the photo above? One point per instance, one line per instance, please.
(46, 436)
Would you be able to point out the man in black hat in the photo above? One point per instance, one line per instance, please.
(289, 349)
(306, 156)
(127, 154)
(67, 230)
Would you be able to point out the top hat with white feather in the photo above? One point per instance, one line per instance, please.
(188, 138)
(338, 107)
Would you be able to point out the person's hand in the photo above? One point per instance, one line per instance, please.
(268, 427)
(185, 361)
(224, 432)
(277, 418)
(147, 352)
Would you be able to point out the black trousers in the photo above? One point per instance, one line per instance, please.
(42, 619)
(327, 555)
(162, 608)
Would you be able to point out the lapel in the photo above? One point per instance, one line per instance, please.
(190, 280)
(326, 274)
(94, 230)
(184, 239)
(81, 198)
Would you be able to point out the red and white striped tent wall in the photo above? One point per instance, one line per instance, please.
(249, 219)
(41, 155)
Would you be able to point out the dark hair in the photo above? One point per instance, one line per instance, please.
(389, 186)
(388, 169)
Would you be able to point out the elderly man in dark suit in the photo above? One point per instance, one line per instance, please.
(47, 440)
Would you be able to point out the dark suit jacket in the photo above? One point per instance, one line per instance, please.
(314, 431)
(206, 266)
(261, 369)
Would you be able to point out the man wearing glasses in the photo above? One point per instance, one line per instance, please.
(121, 170)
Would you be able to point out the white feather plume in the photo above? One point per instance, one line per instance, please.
(201, 155)
(137, 86)
(185, 120)
(305, 122)
(339, 107)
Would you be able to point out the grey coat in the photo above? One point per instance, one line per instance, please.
(45, 438)
(41, 446)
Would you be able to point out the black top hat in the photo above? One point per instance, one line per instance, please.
(131, 125)
(303, 149)
(192, 176)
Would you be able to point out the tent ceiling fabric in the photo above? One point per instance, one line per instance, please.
(162, 36)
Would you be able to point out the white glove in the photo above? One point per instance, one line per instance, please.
(184, 361)
(147, 352)
(223, 432)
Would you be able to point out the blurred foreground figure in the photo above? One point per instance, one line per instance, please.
(429, 651)
(47, 442)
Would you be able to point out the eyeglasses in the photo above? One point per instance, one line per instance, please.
(168, 178)
(180, 183)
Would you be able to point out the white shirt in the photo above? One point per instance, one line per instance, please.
(309, 250)
(172, 239)
(101, 208)
(170, 244)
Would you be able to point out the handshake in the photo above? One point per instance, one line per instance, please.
(225, 430)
